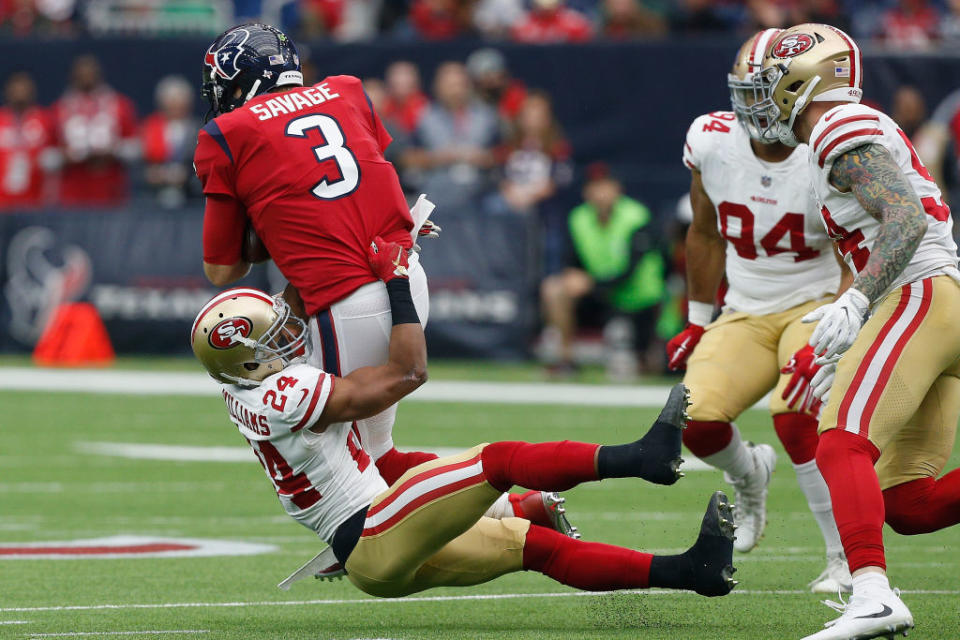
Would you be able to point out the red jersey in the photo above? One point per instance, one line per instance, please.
(97, 132)
(22, 139)
(558, 25)
(307, 166)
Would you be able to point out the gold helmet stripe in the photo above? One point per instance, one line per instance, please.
(223, 295)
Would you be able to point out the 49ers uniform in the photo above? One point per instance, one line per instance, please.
(779, 265)
(321, 478)
(899, 384)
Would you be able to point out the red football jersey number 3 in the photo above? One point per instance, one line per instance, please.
(347, 177)
(790, 223)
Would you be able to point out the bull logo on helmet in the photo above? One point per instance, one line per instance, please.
(793, 45)
(222, 60)
(222, 335)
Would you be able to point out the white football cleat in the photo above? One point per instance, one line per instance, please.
(750, 497)
(879, 615)
(835, 578)
(323, 566)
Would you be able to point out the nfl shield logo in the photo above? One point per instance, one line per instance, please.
(766, 181)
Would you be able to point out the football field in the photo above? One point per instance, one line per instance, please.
(158, 522)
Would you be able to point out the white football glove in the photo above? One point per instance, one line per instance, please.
(823, 379)
(839, 323)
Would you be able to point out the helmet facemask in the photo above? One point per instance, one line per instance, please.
(285, 342)
(747, 98)
(767, 115)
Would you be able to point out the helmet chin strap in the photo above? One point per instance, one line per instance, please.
(253, 90)
(786, 134)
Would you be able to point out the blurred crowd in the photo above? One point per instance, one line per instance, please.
(901, 24)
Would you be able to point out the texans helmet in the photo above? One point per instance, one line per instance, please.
(253, 58)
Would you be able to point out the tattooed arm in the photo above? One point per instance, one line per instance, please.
(874, 177)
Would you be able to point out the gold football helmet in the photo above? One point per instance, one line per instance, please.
(743, 93)
(243, 335)
(806, 63)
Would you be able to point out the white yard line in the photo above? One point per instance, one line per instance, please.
(151, 632)
(487, 596)
(199, 384)
(14, 622)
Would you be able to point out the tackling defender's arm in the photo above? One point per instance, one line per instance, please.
(881, 188)
(370, 390)
(706, 248)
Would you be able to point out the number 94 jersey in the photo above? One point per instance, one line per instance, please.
(778, 252)
(321, 478)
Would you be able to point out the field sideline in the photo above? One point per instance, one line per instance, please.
(56, 488)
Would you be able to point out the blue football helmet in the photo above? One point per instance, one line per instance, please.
(254, 58)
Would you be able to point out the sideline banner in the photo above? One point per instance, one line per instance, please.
(143, 272)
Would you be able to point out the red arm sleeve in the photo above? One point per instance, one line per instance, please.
(224, 222)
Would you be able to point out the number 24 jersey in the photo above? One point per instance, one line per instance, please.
(321, 478)
(778, 252)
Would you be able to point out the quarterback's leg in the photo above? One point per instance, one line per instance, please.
(732, 367)
(798, 434)
(915, 500)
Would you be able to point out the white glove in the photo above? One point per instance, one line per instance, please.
(823, 379)
(839, 323)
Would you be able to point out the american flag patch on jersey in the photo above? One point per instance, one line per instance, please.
(841, 72)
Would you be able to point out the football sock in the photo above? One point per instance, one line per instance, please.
(502, 508)
(870, 583)
(545, 466)
(818, 499)
(798, 434)
(654, 457)
(705, 438)
(846, 460)
(924, 505)
(734, 457)
(394, 464)
(592, 566)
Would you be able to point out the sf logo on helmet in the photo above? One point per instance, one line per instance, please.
(223, 60)
(221, 337)
(792, 45)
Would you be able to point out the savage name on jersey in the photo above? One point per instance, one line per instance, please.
(778, 255)
(321, 478)
(850, 126)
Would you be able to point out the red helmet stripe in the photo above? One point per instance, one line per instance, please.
(764, 37)
(854, 57)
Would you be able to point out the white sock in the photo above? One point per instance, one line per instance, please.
(818, 499)
(872, 581)
(501, 508)
(735, 458)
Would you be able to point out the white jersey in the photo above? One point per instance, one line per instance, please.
(778, 255)
(847, 127)
(321, 478)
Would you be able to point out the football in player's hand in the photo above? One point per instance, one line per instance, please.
(253, 248)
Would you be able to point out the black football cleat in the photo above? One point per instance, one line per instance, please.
(712, 553)
(660, 448)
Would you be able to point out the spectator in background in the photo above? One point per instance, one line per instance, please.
(628, 19)
(911, 24)
(377, 92)
(488, 70)
(169, 137)
(909, 109)
(25, 17)
(96, 132)
(537, 166)
(494, 18)
(617, 267)
(440, 19)
(549, 21)
(950, 26)
(405, 101)
(25, 138)
(454, 140)
(698, 16)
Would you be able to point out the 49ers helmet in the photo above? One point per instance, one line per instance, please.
(743, 94)
(806, 63)
(253, 58)
(242, 335)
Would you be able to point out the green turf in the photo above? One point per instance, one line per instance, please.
(49, 491)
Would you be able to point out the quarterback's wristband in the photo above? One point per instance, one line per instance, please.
(699, 313)
(401, 302)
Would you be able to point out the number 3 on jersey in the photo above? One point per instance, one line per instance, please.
(334, 148)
